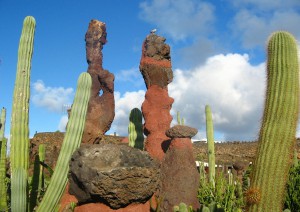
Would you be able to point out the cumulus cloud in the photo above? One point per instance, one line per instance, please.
(179, 18)
(231, 86)
(228, 83)
(51, 98)
(124, 104)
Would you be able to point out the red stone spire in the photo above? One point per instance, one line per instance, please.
(156, 69)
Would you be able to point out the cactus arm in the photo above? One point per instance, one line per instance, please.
(3, 187)
(210, 144)
(71, 142)
(135, 129)
(279, 123)
(19, 131)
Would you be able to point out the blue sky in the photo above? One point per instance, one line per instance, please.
(217, 49)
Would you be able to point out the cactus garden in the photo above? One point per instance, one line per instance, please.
(157, 166)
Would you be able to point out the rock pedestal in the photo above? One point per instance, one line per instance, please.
(156, 69)
(179, 175)
(114, 175)
(101, 108)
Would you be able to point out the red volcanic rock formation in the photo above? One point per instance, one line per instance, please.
(156, 69)
(101, 108)
(179, 175)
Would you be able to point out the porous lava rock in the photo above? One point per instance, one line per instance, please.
(156, 68)
(101, 108)
(116, 175)
(155, 64)
(181, 131)
(179, 175)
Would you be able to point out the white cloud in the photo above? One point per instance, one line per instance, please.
(124, 104)
(51, 98)
(179, 18)
(131, 75)
(63, 123)
(228, 83)
(253, 26)
(231, 86)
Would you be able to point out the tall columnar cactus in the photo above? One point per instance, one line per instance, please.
(210, 144)
(135, 129)
(279, 123)
(19, 132)
(70, 143)
(180, 120)
(3, 187)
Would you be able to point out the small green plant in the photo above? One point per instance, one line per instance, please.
(182, 207)
(292, 197)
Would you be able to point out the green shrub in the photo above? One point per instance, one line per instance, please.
(292, 198)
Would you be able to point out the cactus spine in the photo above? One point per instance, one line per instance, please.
(211, 145)
(135, 129)
(19, 132)
(70, 143)
(3, 187)
(278, 130)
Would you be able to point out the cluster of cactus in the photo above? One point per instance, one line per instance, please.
(216, 193)
(182, 207)
(278, 131)
(227, 193)
(135, 129)
(213, 207)
(19, 136)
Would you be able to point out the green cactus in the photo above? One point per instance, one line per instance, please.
(37, 183)
(182, 208)
(19, 132)
(3, 187)
(42, 151)
(70, 143)
(279, 123)
(180, 121)
(211, 145)
(135, 129)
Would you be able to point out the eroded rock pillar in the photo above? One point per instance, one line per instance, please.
(101, 108)
(156, 69)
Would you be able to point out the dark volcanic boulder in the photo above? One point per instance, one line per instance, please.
(116, 175)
